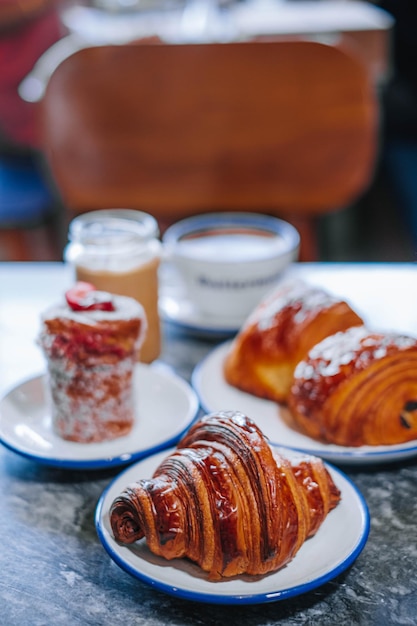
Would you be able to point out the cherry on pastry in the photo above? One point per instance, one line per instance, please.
(85, 297)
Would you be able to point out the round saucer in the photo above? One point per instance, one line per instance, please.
(182, 314)
(177, 309)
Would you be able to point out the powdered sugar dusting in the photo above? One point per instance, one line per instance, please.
(356, 346)
(91, 403)
(295, 294)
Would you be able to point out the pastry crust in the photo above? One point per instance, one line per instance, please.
(278, 335)
(227, 501)
(358, 387)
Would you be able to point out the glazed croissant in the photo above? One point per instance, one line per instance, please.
(279, 333)
(225, 501)
(358, 387)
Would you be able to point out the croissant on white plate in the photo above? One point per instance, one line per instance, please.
(226, 500)
(358, 387)
(279, 333)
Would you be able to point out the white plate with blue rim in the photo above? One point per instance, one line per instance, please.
(336, 545)
(165, 407)
(216, 394)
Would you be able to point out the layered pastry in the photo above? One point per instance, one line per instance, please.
(358, 387)
(226, 500)
(90, 341)
(278, 335)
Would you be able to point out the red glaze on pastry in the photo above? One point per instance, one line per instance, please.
(85, 297)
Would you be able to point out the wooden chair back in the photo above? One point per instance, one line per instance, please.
(287, 128)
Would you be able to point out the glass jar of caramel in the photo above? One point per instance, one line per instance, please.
(118, 250)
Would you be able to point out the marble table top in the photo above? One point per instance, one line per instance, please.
(54, 569)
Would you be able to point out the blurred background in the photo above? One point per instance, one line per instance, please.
(380, 226)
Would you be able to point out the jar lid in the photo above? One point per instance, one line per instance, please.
(113, 227)
(112, 240)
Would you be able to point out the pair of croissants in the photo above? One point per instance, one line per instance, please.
(343, 383)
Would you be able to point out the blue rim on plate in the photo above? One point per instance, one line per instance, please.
(319, 560)
(216, 394)
(161, 419)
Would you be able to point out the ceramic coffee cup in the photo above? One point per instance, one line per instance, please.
(229, 261)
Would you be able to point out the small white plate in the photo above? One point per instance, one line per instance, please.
(336, 545)
(176, 308)
(216, 394)
(165, 408)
